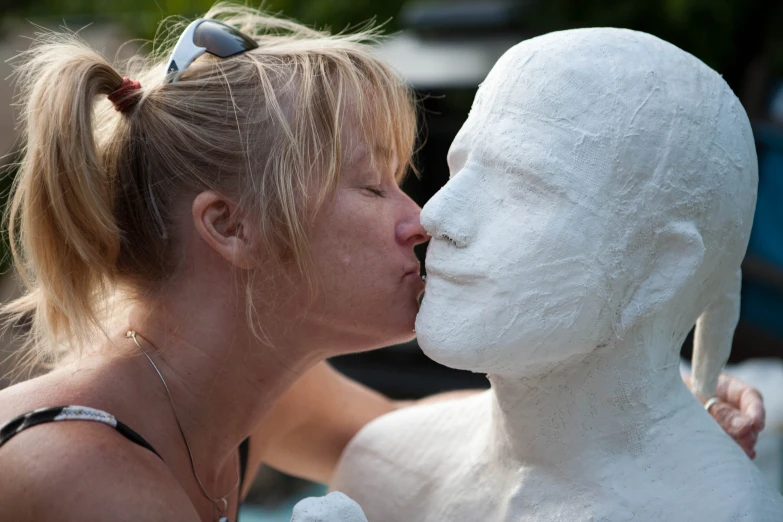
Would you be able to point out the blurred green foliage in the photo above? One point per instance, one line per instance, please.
(141, 17)
(726, 34)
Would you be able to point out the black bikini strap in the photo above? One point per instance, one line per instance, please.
(244, 451)
(69, 413)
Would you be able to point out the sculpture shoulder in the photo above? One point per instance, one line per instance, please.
(743, 495)
(744, 498)
(399, 456)
(404, 435)
(702, 472)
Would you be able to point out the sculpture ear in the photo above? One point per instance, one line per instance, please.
(677, 252)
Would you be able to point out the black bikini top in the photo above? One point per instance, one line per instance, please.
(83, 413)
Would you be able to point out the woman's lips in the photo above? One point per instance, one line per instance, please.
(413, 276)
(412, 270)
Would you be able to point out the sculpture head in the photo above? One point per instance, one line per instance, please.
(604, 179)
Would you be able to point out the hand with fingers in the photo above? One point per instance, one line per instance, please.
(739, 409)
(334, 507)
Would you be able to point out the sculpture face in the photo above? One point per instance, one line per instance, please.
(515, 269)
(600, 175)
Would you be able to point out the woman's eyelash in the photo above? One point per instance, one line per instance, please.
(377, 192)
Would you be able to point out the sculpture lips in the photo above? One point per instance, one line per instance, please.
(455, 277)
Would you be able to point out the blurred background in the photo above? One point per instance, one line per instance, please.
(445, 49)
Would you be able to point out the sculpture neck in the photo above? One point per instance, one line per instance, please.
(576, 414)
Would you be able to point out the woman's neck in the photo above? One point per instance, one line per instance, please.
(580, 413)
(222, 379)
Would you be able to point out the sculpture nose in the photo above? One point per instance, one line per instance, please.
(447, 215)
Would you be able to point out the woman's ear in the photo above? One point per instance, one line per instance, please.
(225, 228)
(677, 252)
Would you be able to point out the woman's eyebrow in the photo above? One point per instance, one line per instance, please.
(361, 154)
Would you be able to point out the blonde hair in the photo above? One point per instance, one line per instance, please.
(93, 197)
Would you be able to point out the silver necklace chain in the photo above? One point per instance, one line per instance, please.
(221, 504)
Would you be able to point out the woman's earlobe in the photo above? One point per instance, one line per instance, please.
(221, 225)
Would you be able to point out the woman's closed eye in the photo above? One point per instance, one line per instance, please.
(378, 191)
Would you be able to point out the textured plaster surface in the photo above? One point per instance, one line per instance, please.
(600, 203)
(334, 507)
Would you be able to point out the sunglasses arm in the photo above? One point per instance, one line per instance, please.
(184, 53)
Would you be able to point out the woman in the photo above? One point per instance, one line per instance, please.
(191, 254)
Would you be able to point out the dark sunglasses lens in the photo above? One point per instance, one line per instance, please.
(221, 40)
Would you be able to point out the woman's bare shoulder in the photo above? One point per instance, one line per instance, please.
(85, 471)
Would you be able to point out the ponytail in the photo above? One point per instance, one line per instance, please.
(714, 335)
(63, 233)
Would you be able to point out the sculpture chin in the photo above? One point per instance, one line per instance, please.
(436, 337)
(499, 329)
(459, 339)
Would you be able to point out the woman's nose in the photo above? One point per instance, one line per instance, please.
(409, 230)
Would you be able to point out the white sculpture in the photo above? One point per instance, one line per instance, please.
(334, 507)
(600, 203)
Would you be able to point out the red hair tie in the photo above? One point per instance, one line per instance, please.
(123, 98)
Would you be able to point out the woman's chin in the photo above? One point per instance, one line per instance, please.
(393, 334)
(404, 333)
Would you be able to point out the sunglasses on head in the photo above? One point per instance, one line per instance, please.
(206, 36)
